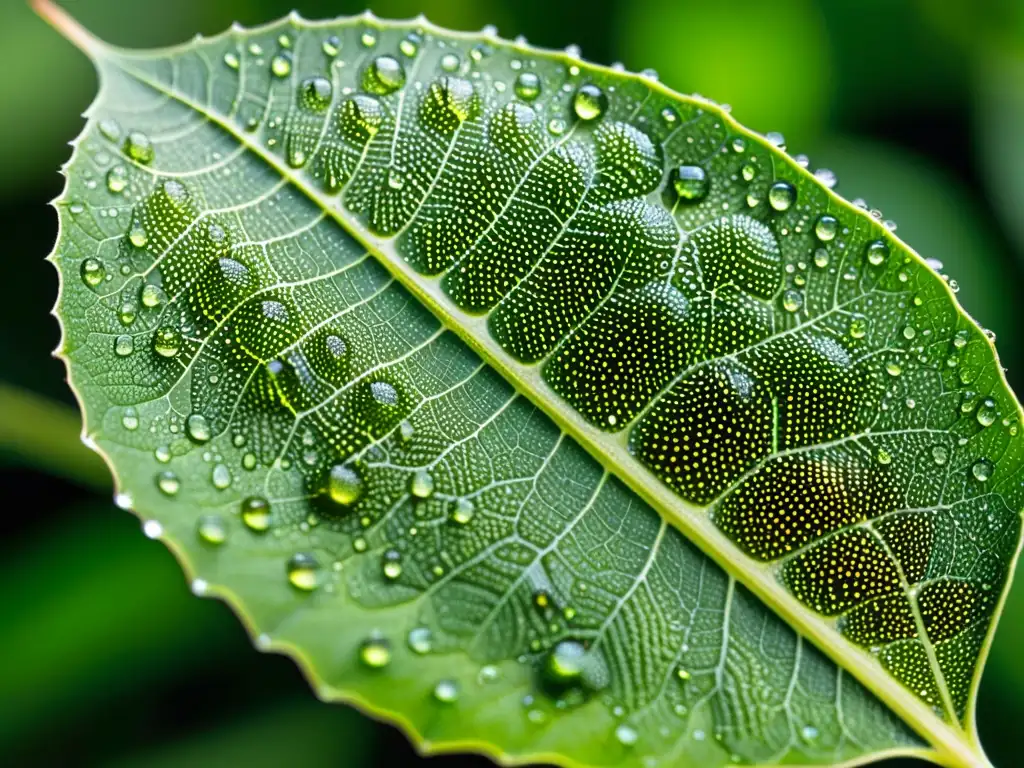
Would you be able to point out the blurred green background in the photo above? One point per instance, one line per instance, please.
(106, 658)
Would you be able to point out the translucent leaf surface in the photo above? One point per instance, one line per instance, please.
(534, 406)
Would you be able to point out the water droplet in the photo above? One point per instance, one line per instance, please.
(392, 564)
(220, 477)
(682, 673)
(986, 414)
(368, 38)
(556, 126)
(256, 514)
(421, 485)
(117, 179)
(877, 252)
(569, 665)
(883, 456)
(590, 103)
(345, 485)
(410, 45)
(152, 296)
(168, 483)
(152, 529)
(821, 258)
(139, 148)
(420, 640)
(198, 428)
(211, 529)
(690, 183)
(982, 470)
(781, 195)
(450, 62)
(527, 86)
(626, 735)
(809, 733)
(137, 235)
(669, 117)
(303, 571)
(124, 345)
(130, 419)
(463, 511)
(384, 75)
(167, 342)
(281, 64)
(776, 139)
(331, 46)
(162, 454)
(893, 368)
(93, 272)
(488, 674)
(315, 93)
(375, 652)
(127, 313)
(110, 129)
(792, 300)
(940, 455)
(231, 60)
(826, 227)
(446, 691)
(384, 393)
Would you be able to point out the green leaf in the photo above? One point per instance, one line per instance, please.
(533, 406)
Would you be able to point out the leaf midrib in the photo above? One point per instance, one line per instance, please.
(954, 746)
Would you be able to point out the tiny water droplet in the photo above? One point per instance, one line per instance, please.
(682, 673)
(256, 514)
(315, 93)
(331, 46)
(152, 296)
(303, 571)
(940, 455)
(231, 60)
(152, 529)
(410, 45)
(982, 470)
(987, 414)
(781, 195)
(669, 117)
(450, 62)
(384, 393)
(212, 529)
(368, 39)
(130, 419)
(589, 103)
(110, 129)
(626, 735)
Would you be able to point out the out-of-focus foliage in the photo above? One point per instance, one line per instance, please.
(917, 108)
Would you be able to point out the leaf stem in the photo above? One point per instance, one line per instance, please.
(67, 25)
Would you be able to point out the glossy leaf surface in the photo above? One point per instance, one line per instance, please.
(532, 405)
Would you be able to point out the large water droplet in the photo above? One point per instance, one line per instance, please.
(384, 75)
(590, 102)
(93, 272)
(987, 412)
(877, 252)
(117, 179)
(345, 485)
(826, 227)
(212, 529)
(303, 571)
(420, 640)
(152, 296)
(527, 86)
(168, 483)
(139, 148)
(792, 300)
(982, 470)
(124, 345)
(315, 93)
(690, 183)
(375, 652)
(130, 419)
(220, 476)
(463, 511)
(421, 485)
(167, 342)
(781, 195)
(446, 691)
(197, 427)
(256, 514)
